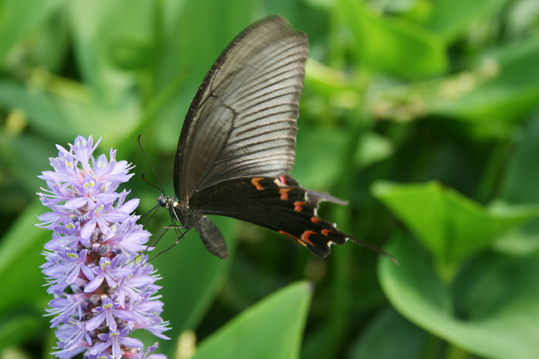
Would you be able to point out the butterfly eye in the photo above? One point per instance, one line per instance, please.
(162, 201)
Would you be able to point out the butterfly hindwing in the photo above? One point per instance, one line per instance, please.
(279, 204)
(242, 122)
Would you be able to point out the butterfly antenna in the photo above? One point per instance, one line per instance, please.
(154, 186)
(162, 189)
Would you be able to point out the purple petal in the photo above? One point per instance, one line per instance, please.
(48, 217)
(76, 203)
(125, 315)
(131, 342)
(130, 206)
(100, 347)
(115, 216)
(95, 322)
(94, 284)
(88, 228)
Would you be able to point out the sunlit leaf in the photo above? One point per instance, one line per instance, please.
(389, 336)
(20, 257)
(450, 225)
(108, 43)
(492, 312)
(451, 17)
(19, 17)
(16, 330)
(503, 88)
(270, 329)
(393, 45)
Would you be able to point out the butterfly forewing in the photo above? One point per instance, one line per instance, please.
(242, 122)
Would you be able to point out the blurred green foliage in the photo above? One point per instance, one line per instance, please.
(423, 113)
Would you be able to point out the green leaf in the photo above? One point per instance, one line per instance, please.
(393, 45)
(522, 176)
(450, 225)
(450, 18)
(272, 328)
(23, 156)
(20, 258)
(47, 46)
(18, 329)
(65, 109)
(19, 17)
(389, 336)
(109, 42)
(320, 166)
(504, 87)
(492, 312)
(519, 186)
(37, 109)
(374, 148)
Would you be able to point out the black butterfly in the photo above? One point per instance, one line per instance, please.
(238, 141)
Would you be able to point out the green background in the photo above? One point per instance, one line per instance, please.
(423, 114)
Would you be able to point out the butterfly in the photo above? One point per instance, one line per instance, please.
(238, 142)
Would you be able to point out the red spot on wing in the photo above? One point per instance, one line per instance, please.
(315, 219)
(298, 206)
(283, 180)
(255, 183)
(283, 193)
(305, 237)
(325, 232)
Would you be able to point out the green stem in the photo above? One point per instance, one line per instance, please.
(492, 171)
(455, 352)
(432, 347)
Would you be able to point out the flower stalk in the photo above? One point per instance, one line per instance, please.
(102, 288)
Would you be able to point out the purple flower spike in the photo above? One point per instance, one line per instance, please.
(102, 291)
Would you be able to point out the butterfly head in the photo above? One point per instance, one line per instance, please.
(167, 202)
(179, 211)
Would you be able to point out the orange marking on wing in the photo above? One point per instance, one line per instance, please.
(305, 237)
(289, 235)
(315, 219)
(255, 183)
(298, 206)
(283, 180)
(325, 232)
(283, 193)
